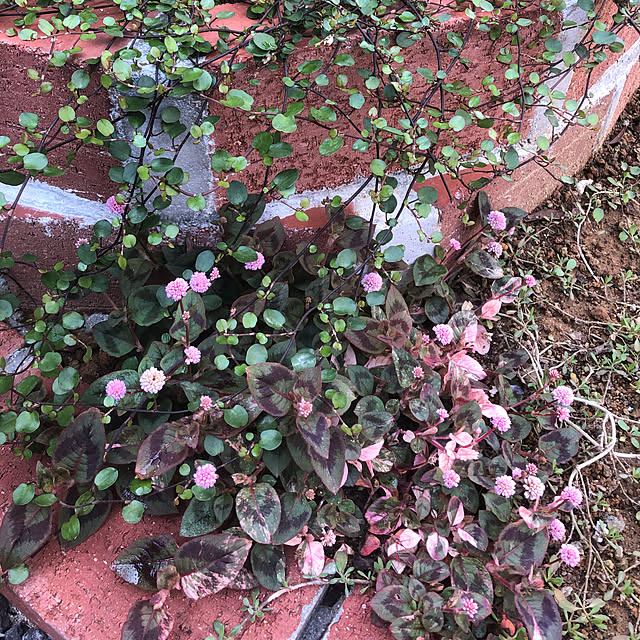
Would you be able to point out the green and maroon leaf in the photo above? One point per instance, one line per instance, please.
(309, 383)
(560, 445)
(270, 236)
(166, 447)
(520, 547)
(211, 563)
(331, 469)
(197, 319)
(366, 339)
(243, 581)
(430, 571)
(470, 574)
(268, 564)
(140, 562)
(407, 628)
(202, 517)
(383, 515)
(270, 385)
(395, 303)
(432, 614)
(24, 529)
(80, 447)
(295, 513)
(147, 620)
(315, 429)
(392, 602)
(539, 612)
(405, 364)
(96, 392)
(258, 509)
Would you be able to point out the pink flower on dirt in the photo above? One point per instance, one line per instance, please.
(529, 280)
(114, 206)
(418, 373)
(495, 248)
(563, 395)
(215, 274)
(570, 555)
(304, 407)
(572, 495)
(468, 606)
(554, 374)
(152, 380)
(372, 282)
(206, 476)
(199, 282)
(177, 289)
(116, 389)
(256, 264)
(564, 413)
(497, 220)
(450, 479)
(557, 530)
(444, 333)
(206, 402)
(455, 244)
(192, 355)
(81, 241)
(533, 488)
(501, 420)
(505, 486)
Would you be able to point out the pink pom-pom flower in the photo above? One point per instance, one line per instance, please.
(563, 395)
(206, 476)
(557, 530)
(455, 244)
(152, 380)
(206, 402)
(444, 333)
(533, 488)
(497, 220)
(572, 495)
(304, 407)
(450, 479)
(372, 282)
(177, 289)
(495, 248)
(468, 606)
(199, 282)
(505, 486)
(116, 389)
(192, 355)
(570, 555)
(114, 206)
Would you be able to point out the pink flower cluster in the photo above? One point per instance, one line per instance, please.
(468, 606)
(206, 476)
(533, 488)
(455, 244)
(450, 479)
(557, 530)
(192, 355)
(563, 395)
(198, 282)
(495, 248)
(572, 495)
(505, 486)
(570, 555)
(116, 389)
(152, 380)
(497, 220)
(418, 373)
(372, 282)
(114, 206)
(564, 414)
(206, 402)
(501, 421)
(256, 264)
(304, 407)
(444, 333)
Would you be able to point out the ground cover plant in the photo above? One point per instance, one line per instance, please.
(327, 396)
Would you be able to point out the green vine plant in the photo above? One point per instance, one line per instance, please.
(330, 396)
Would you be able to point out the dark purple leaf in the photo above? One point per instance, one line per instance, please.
(140, 562)
(540, 615)
(520, 547)
(484, 264)
(147, 620)
(366, 339)
(201, 518)
(331, 469)
(309, 383)
(80, 447)
(560, 445)
(315, 429)
(295, 513)
(470, 574)
(270, 236)
(24, 529)
(166, 447)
